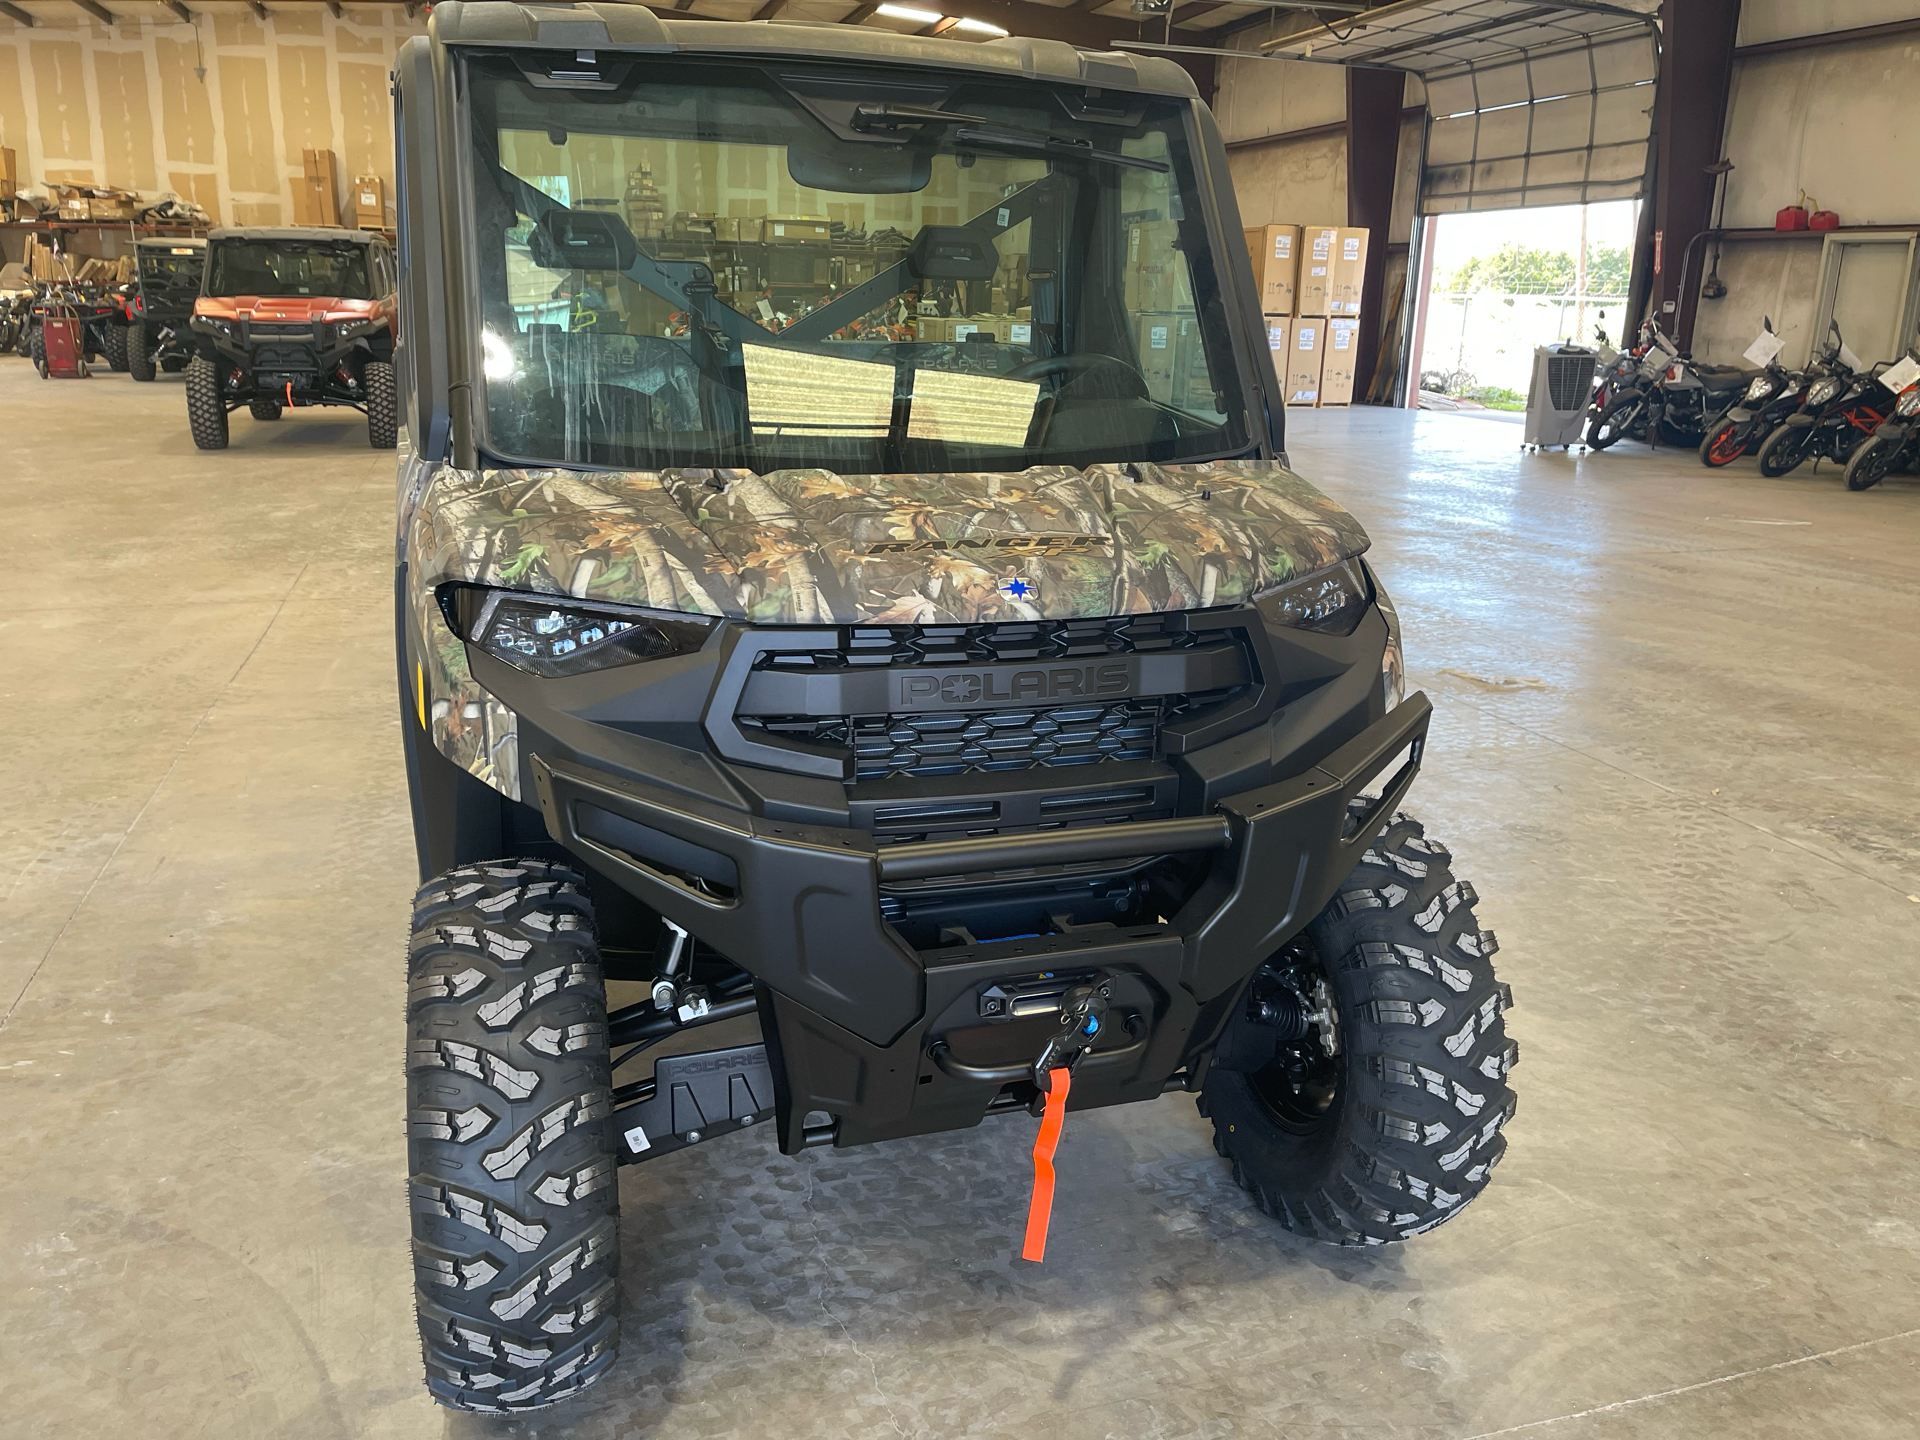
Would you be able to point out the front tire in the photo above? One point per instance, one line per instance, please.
(206, 406)
(1623, 417)
(1872, 462)
(139, 352)
(383, 428)
(510, 1144)
(116, 342)
(1783, 450)
(1399, 1128)
(1724, 444)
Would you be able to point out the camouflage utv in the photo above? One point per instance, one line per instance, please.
(853, 602)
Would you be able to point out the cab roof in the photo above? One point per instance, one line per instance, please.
(336, 235)
(607, 25)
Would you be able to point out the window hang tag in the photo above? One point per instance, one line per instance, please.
(1003, 217)
(1899, 376)
(1765, 346)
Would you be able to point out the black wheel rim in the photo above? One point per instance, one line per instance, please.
(1300, 1089)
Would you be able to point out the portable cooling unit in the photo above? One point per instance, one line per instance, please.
(1557, 398)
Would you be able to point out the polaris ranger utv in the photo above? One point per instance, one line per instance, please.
(292, 318)
(159, 304)
(850, 584)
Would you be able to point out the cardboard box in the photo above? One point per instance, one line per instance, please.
(9, 176)
(796, 230)
(73, 204)
(1304, 355)
(316, 195)
(987, 327)
(1156, 342)
(369, 203)
(1279, 337)
(1349, 272)
(1337, 376)
(1318, 244)
(1156, 273)
(1275, 252)
(112, 207)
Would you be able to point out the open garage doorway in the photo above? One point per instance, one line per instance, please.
(1496, 283)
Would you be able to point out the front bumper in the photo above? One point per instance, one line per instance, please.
(894, 1041)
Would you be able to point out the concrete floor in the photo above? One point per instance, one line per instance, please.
(1673, 750)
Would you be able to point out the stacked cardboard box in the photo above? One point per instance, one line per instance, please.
(369, 207)
(9, 176)
(1310, 280)
(316, 194)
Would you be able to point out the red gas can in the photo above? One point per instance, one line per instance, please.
(1823, 220)
(1794, 217)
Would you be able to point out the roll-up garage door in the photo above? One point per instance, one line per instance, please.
(1528, 104)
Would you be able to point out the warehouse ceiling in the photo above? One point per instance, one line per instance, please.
(1530, 104)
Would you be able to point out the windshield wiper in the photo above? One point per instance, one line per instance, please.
(979, 131)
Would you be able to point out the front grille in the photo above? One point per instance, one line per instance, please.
(876, 645)
(962, 742)
(282, 357)
(275, 328)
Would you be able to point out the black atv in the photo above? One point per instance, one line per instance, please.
(159, 305)
(924, 659)
(289, 318)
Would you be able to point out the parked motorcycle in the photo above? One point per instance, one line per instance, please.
(1770, 397)
(1895, 442)
(1623, 411)
(1841, 409)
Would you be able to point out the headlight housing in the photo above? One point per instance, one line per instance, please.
(556, 635)
(1760, 388)
(1823, 391)
(1393, 664)
(354, 329)
(1909, 401)
(1329, 601)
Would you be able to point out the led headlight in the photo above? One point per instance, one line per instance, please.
(1823, 391)
(1909, 402)
(354, 329)
(1760, 388)
(1330, 601)
(557, 635)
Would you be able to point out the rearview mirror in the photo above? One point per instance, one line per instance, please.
(861, 170)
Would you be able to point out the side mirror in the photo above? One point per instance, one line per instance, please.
(582, 240)
(951, 252)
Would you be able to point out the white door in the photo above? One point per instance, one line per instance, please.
(1867, 290)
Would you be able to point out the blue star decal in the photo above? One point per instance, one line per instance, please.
(1019, 589)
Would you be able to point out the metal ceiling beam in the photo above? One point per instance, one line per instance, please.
(259, 10)
(98, 11)
(940, 26)
(770, 9)
(17, 15)
(333, 9)
(859, 15)
(180, 12)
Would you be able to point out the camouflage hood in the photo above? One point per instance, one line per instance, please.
(814, 547)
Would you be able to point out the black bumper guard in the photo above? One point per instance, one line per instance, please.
(858, 1020)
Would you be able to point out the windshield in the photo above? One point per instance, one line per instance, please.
(794, 267)
(287, 267)
(173, 268)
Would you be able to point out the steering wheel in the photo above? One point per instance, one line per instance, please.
(1076, 364)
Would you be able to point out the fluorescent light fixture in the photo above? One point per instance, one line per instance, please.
(978, 27)
(907, 12)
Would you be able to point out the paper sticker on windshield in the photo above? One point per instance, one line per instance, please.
(1020, 335)
(1898, 377)
(1004, 217)
(1763, 349)
(1157, 337)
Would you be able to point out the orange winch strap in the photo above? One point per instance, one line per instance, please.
(1040, 1211)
